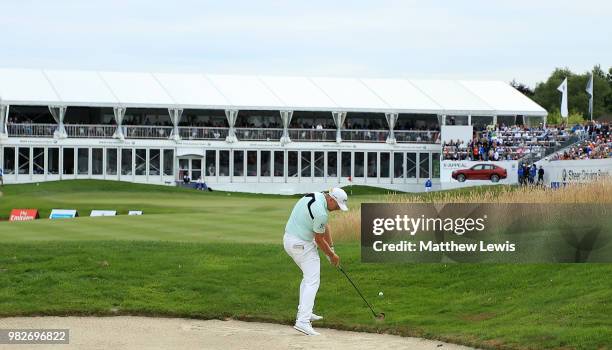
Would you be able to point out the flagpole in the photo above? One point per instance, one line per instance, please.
(589, 90)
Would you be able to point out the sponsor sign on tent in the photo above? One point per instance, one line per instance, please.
(23, 214)
(103, 213)
(63, 213)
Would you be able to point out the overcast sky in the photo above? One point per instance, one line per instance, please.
(467, 39)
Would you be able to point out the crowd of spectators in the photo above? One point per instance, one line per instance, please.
(597, 145)
(505, 143)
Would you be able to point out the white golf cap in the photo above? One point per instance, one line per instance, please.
(340, 196)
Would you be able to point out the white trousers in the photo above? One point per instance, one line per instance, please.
(306, 257)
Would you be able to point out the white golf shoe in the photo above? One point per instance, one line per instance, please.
(314, 317)
(306, 328)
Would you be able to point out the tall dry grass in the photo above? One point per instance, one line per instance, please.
(347, 226)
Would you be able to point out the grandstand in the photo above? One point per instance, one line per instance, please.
(246, 133)
(510, 143)
(597, 144)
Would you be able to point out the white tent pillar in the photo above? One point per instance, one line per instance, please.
(495, 120)
(441, 119)
(391, 120)
(286, 119)
(58, 113)
(543, 121)
(119, 114)
(469, 119)
(175, 117)
(4, 111)
(339, 118)
(231, 115)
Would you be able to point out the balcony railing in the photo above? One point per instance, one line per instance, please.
(259, 134)
(31, 130)
(312, 134)
(402, 136)
(202, 133)
(89, 131)
(146, 132)
(364, 135)
(417, 136)
(215, 133)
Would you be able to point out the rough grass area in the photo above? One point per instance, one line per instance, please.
(348, 225)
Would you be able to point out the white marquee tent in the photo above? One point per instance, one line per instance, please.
(207, 91)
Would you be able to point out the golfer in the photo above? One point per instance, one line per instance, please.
(306, 230)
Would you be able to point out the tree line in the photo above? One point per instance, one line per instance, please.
(547, 95)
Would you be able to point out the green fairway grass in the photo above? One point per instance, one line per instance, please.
(170, 213)
(214, 255)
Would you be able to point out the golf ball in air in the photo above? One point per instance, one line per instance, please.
(380, 294)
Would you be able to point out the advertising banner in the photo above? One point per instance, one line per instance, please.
(63, 213)
(23, 214)
(135, 212)
(561, 172)
(103, 213)
(469, 173)
(486, 233)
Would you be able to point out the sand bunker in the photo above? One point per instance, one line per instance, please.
(129, 332)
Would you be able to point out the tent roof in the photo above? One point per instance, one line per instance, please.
(501, 96)
(166, 90)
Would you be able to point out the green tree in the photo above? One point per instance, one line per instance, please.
(524, 89)
(554, 118)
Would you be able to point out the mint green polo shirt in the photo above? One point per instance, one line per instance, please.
(309, 216)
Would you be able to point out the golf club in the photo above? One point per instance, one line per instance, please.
(380, 316)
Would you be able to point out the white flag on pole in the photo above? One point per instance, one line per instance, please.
(589, 87)
(589, 90)
(563, 89)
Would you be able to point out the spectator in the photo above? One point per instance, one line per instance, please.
(598, 147)
(532, 174)
(428, 185)
(541, 176)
